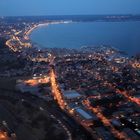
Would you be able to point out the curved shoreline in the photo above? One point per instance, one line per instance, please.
(28, 33)
(118, 45)
(26, 41)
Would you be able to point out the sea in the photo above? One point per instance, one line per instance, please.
(123, 35)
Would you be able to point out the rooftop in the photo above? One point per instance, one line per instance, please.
(71, 94)
(83, 113)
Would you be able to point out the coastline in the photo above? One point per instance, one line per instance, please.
(26, 40)
(28, 33)
(120, 45)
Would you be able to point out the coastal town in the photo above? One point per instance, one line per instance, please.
(90, 93)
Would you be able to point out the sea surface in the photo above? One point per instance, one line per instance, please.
(124, 36)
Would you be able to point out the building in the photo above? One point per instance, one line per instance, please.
(84, 116)
(71, 95)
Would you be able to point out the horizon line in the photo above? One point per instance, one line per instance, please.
(73, 15)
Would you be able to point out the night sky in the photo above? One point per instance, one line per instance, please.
(68, 7)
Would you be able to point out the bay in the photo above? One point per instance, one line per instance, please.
(124, 36)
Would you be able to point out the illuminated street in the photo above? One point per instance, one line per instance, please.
(65, 93)
(106, 122)
(56, 90)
